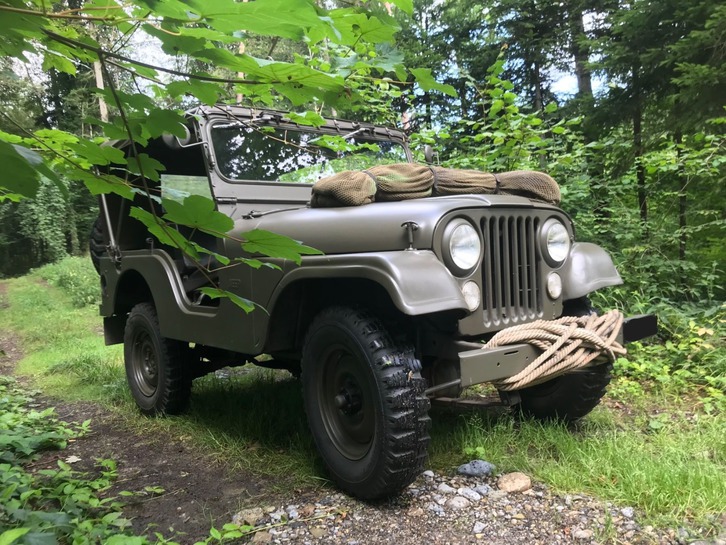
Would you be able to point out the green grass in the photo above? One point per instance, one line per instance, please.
(669, 466)
(252, 420)
(664, 455)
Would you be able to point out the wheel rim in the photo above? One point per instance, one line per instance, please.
(145, 364)
(346, 403)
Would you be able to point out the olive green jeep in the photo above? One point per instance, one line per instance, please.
(394, 313)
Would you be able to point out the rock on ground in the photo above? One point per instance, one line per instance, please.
(514, 482)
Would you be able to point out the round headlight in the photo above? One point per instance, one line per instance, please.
(554, 285)
(464, 246)
(472, 295)
(556, 241)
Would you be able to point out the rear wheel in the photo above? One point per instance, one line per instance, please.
(97, 243)
(365, 402)
(569, 397)
(156, 367)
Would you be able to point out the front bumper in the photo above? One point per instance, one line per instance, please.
(478, 366)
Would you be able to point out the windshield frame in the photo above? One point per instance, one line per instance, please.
(373, 133)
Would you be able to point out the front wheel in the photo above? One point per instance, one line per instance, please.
(567, 398)
(572, 396)
(156, 367)
(365, 403)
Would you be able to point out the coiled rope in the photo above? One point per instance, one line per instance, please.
(568, 343)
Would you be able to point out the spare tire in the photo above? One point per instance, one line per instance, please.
(97, 243)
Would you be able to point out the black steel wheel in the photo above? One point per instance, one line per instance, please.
(365, 402)
(569, 397)
(157, 369)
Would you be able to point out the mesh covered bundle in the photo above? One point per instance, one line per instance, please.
(454, 181)
(531, 184)
(524, 183)
(402, 181)
(348, 188)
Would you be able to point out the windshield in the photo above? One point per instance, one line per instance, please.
(245, 152)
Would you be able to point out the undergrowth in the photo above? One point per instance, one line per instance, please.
(689, 360)
(76, 277)
(47, 503)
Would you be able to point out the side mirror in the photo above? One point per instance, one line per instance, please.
(177, 143)
(429, 154)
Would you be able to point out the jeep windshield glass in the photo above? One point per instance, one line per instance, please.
(246, 152)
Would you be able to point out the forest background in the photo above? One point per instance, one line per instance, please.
(622, 102)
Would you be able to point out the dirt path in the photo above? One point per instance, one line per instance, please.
(436, 509)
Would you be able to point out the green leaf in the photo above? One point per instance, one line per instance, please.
(162, 121)
(256, 263)
(308, 118)
(426, 81)
(10, 536)
(166, 234)
(284, 18)
(119, 539)
(404, 5)
(197, 212)
(223, 259)
(272, 72)
(354, 26)
(496, 107)
(150, 167)
(208, 93)
(19, 176)
(98, 154)
(271, 244)
(35, 160)
(216, 293)
(59, 62)
(174, 9)
(175, 43)
(98, 184)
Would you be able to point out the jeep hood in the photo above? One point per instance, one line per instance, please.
(375, 227)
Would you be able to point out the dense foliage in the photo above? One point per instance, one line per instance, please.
(635, 140)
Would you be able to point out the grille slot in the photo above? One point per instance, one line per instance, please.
(511, 270)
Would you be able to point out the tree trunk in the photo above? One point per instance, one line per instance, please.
(682, 200)
(536, 79)
(102, 107)
(539, 106)
(639, 168)
(463, 99)
(580, 52)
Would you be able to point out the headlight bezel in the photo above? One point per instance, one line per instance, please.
(549, 240)
(454, 263)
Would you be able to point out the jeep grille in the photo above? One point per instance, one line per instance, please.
(511, 269)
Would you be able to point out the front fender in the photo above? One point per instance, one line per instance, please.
(417, 282)
(589, 268)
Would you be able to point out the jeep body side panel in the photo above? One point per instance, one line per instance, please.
(226, 326)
